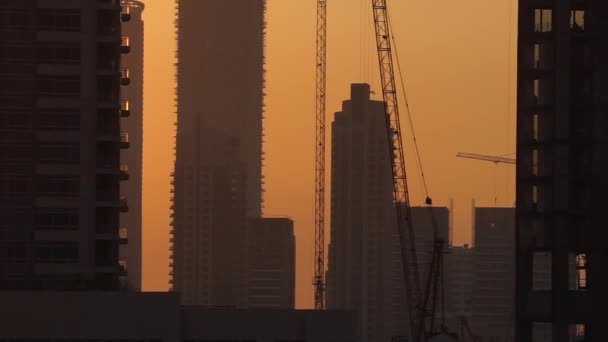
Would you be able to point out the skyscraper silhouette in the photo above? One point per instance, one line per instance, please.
(217, 177)
(364, 269)
(60, 144)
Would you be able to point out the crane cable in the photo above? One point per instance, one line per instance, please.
(428, 200)
(409, 113)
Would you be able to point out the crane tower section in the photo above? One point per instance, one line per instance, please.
(319, 277)
(400, 186)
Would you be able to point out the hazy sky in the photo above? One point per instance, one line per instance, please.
(458, 61)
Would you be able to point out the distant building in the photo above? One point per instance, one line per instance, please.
(60, 142)
(562, 163)
(131, 159)
(364, 271)
(131, 317)
(494, 274)
(271, 263)
(217, 178)
(458, 275)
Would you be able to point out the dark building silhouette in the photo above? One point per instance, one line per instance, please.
(131, 159)
(60, 144)
(364, 270)
(134, 316)
(271, 263)
(217, 177)
(562, 163)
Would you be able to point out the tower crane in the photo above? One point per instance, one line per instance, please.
(420, 305)
(319, 276)
(495, 159)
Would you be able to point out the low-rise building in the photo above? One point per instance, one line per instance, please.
(155, 317)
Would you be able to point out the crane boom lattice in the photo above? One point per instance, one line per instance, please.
(319, 277)
(400, 186)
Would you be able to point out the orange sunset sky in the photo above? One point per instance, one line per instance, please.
(458, 61)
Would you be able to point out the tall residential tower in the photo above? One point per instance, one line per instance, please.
(60, 142)
(562, 163)
(217, 177)
(131, 159)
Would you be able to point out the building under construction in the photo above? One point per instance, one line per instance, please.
(562, 163)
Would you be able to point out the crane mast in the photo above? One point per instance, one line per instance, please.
(400, 187)
(319, 277)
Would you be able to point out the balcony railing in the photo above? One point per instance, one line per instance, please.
(125, 77)
(123, 234)
(125, 14)
(124, 140)
(125, 44)
(124, 172)
(125, 109)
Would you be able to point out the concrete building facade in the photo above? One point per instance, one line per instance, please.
(132, 159)
(60, 142)
(364, 270)
(217, 178)
(562, 162)
(271, 263)
(149, 317)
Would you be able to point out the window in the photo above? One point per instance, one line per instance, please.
(15, 19)
(15, 119)
(58, 53)
(59, 20)
(57, 119)
(543, 20)
(53, 185)
(15, 251)
(59, 153)
(56, 252)
(535, 127)
(56, 219)
(16, 53)
(15, 184)
(577, 20)
(59, 86)
(536, 55)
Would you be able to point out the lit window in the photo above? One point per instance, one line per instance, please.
(577, 20)
(543, 20)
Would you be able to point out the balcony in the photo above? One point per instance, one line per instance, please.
(123, 267)
(125, 14)
(124, 141)
(125, 109)
(125, 77)
(124, 172)
(125, 45)
(123, 235)
(124, 205)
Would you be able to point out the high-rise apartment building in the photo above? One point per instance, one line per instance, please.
(271, 273)
(60, 142)
(217, 177)
(364, 272)
(562, 162)
(131, 159)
